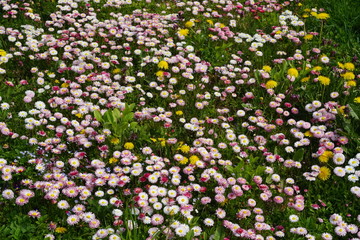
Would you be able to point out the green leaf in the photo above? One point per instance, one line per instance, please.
(276, 152)
(218, 233)
(268, 179)
(133, 125)
(116, 113)
(354, 111)
(299, 155)
(98, 116)
(127, 117)
(229, 168)
(189, 235)
(106, 116)
(259, 170)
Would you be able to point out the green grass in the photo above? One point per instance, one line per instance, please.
(344, 24)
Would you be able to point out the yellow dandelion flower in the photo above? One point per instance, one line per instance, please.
(348, 75)
(64, 85)
(323, 159)
(271, 84)
(322, 16)
(210, 22)
(266, 68)
(189, 24)
(305, 79)
(128, 145)
(115, 141)
(153, 139)
(79, 115)
(324, 80)
(308, 37)
(185, 148)
(113, 160)
(183, 32)
(60, 230)
(221, 25)
(351, 83)
(341, 65)
(324, 173)
(293, 72)
(159, 73)
(317, 68)
(179, 113)
(305, 15)
(116, 70)
(342, 110)
(224, 202)
(314, 14)
(349, 66)
(185, 160)
(163, 143)
(308, 134)
(194, 159)
(326, 156)
(357, 100)
(2, 52)
(163, 65)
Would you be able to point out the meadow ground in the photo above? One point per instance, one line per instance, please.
(196, 120)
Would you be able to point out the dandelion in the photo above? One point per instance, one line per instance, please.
(266, 68)
(324, 80)
(189, 24)
(115, 141)
(163, 65)
(324, 158)
(116, 71)
(324, 173)
(349, 66)
(183, 32)
(159, 73)
(128, 145)
(322, 16)
(308, 37)
(351, 83)
(271, 84)
(348, 75)
(293, 72)
(60, 230)
(2, 53)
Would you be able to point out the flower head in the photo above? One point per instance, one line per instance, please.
(163, 65)
(324, 80)
(322, 16)
(183, 32)
(271, 84)
(293, 72)
(324, 173)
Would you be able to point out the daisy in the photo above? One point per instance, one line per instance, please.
(72, 219)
